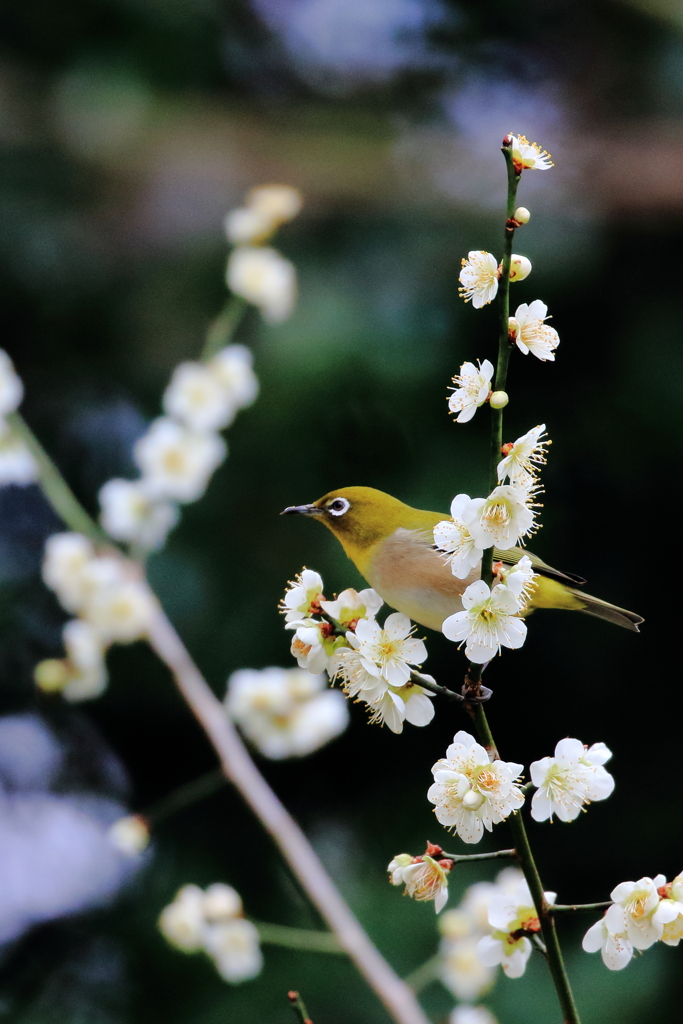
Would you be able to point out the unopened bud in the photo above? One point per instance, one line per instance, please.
(521, 215)
(51, 675)
(520, 267)
(130, 835)
(472, 801)
(499, 399)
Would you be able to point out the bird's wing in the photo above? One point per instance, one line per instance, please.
(512, 555)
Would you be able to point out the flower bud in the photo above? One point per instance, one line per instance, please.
(521, 215)
(472, 801)
(499, 399)
(520, 267)
(51, 675)
(130, 835)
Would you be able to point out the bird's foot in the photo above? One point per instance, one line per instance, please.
(475, 693)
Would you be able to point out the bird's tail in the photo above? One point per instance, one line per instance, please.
(603, 610)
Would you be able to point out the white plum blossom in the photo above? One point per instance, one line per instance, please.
(131, 514)
(470, 791)
(519, 578)
(520, 267)
(357, 683)
(130, 835)
(177, 463)
(453, 538)
(489, 620)
(221, 902)
(122, 611)
(609, 935)
(472, 388)
(67, 555)
(281, 203)
(303, 596)
(508, 916)
(639, 901)
(531, 334)
(233, 366)
(17, 465)
(396, 705)
(390, 650)
(503, 518)
(669, 913)
(266, 208)
(571, 779)
(248, 226)
(11, 388)
(265, 278)
(479, 278)
(285, 712)
(86, 675)
(424, 877)
(353, 605)
(197, 398)
(524, 456)
(528, 155)
(314, 644)
(235, 950)
(462, 970)
(471, 1015)
(182, 921)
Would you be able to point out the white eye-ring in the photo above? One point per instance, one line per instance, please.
(339, 506)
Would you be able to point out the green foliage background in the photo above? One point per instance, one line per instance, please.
(129, 127)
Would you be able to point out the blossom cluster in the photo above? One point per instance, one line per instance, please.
(211, 921)
(373, 663)
(285, 712)
(461, 969)
(489, 619)
(180, 451)
(112, 602)
(642, 913)
(473, 792)
(17, 465)
(257, 272)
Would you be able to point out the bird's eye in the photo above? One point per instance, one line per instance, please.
(338, 507)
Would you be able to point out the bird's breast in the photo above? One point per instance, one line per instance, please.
(409, 575)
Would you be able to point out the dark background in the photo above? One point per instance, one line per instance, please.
(128, 128)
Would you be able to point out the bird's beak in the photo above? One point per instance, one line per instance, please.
(302, 510)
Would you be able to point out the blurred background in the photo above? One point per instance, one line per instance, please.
(128, 129)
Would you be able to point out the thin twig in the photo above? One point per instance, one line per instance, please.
(458, 858)
(429, 684)
(299, 1008)
(561, 908)
(425, 974)
(299, 938)
(185, 796)
(222, 329)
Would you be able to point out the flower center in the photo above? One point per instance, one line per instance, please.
(497, 514)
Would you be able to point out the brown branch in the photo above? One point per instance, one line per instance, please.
(238, 766)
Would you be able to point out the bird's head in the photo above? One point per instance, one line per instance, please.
(357, 516)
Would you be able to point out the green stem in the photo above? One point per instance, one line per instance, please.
(222, 328)
(503, 347)
(545, 917)
(560, 908)
(55, 487)
(425, 974)
(299, 1008)
(427, 684)
(458, 858)
(185, 795)
(298, 938)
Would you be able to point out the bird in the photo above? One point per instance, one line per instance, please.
(392, 546)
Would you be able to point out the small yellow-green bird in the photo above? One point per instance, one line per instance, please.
(392, 546)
